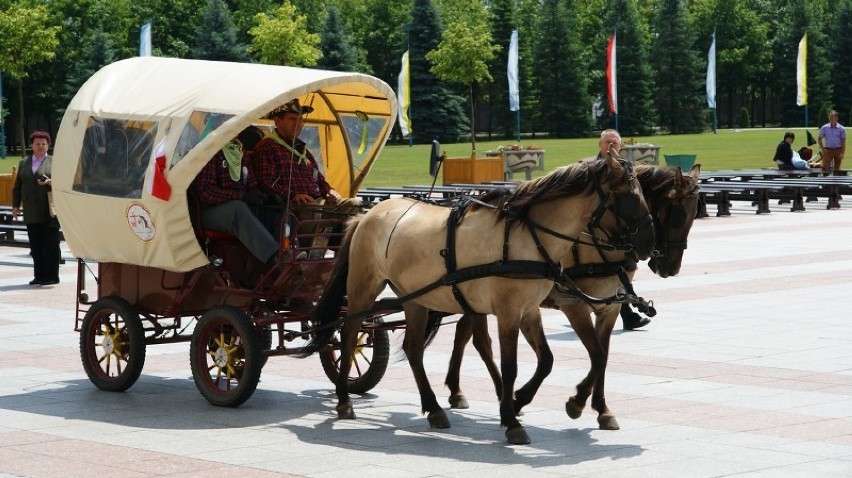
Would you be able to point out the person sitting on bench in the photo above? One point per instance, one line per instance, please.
(786, 158)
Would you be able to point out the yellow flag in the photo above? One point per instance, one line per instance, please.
(802, 72)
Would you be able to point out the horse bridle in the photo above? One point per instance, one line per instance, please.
(625, 209)
(673, 220)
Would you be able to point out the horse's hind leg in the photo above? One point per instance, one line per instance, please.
(475, 325)
(604, 324)
(534, 334)
(414, 345)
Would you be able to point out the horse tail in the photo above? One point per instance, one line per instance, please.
(327, 310)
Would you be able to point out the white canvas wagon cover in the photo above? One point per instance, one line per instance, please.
(133, 111)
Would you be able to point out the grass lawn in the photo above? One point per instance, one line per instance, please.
(728, 149)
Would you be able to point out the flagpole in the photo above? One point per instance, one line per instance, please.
(2, 123)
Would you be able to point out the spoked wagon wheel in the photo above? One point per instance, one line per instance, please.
(112, 344)
(369, 359)
(225, 356)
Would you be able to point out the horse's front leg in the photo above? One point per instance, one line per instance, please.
(414, 345)
(508, 331)
(604, 324)
(534, 334)
(580, 317)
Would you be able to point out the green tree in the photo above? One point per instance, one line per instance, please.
(436, 112)
(680, 75)
(338, 53)
(384, 38)
(503, 20)
(173, 25)
(216, 36)
(99, 53)
(528, 76)
(28, 40)
(283, 39)
(742, 57)
(463, 54)
(563, 81)
(841, 54)
(636, 115)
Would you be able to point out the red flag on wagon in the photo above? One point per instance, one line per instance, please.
(158, 186)
(611, 86)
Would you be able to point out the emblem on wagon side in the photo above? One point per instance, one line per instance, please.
(140, 222)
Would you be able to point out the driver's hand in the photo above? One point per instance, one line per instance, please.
(302, 199)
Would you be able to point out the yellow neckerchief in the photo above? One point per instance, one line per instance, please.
(233, 153)
(273, 135)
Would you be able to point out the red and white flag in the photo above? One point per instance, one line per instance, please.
(611, 84)
(158, 186)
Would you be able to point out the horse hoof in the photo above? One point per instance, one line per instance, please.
(517, 436)
(608, 422)
(438, 419)
(573, 409)
(345, 412)
(458, 402)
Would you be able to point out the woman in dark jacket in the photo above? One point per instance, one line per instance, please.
(32, 185)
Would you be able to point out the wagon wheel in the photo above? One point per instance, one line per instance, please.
(369, 359)
(112, 344)
(225, 356)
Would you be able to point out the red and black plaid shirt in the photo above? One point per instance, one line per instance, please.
(214, 185)
(272, 164)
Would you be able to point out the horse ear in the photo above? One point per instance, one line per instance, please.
(695, 171)
(613, 162)
(677, 184)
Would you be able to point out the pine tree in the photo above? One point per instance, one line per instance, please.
(338, 54)
(216, 37)
(563, 80)
(842, 42)
(503, 21)
(679, 73)
(636, 115)
(436, 112)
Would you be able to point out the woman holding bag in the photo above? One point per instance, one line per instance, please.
(31, 190)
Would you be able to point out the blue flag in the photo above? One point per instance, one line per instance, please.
(512, 73)
(145, 40)
(711, 73)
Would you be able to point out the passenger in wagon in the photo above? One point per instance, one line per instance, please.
(286, 169)
(222, 188)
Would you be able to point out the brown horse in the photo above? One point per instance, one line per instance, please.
(498, 258)
(673, 200)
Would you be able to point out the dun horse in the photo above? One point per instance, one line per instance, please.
(673, 201)
(499, 257)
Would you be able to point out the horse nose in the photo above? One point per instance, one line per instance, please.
(644, 241)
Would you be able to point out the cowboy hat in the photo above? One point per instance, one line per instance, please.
(291, 107)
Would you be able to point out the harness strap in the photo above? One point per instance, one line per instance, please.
(449, 254)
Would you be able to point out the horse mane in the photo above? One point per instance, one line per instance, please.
(571, 180)
(657, 181)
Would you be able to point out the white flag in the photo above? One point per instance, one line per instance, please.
(512, 73)
(403, 95)
(711, 73)
(802, 72)
(145, 40)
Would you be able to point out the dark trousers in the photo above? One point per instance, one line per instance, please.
(44, 247)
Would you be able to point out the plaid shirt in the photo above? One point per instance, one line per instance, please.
(214, 185)
(272, 165)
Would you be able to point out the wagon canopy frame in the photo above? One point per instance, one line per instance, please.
(133, 111)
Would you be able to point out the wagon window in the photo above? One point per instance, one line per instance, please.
(310, 135)
(114, 157)
(362, 133)
(200, 124)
